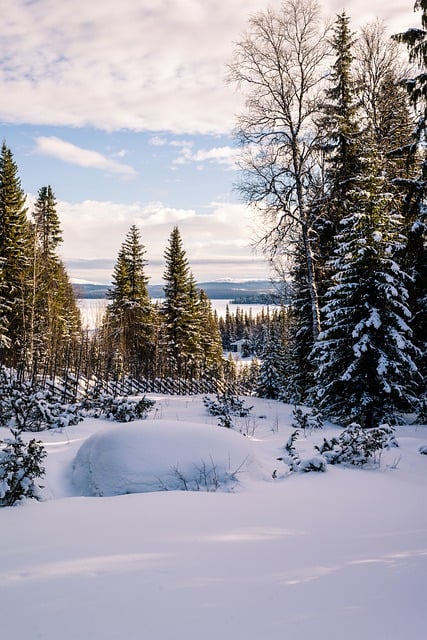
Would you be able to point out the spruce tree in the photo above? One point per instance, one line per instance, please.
(229, 330)
(129, 321)
(54, 325)
(181, 320)
(46, 222)
(340, 112)
(339, 144)
(299, 369)
(15, 257)
(4, 309)
(416, 188)
(210, 337)
(342, 145)
(364, 355)
(271, 373)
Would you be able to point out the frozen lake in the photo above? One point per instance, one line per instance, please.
(93, 308)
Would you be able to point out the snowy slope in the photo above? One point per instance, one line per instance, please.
(336, 555)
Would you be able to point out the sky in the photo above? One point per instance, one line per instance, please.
(124, 109)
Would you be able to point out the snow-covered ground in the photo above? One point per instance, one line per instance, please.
(341, 554)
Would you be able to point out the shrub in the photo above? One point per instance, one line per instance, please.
(225, 407)
(357, 445)
(20, 466)
(27, 408)
(121, 409)
(307, 421)
(292, 458)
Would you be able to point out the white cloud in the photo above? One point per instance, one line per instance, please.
(157, 141)
(217, 242)
(222, 155)
(155, 65)
(68, 152)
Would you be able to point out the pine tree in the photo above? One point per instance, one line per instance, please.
(4, 309)
(341, 109)
(20, 467)
(299, 369)
(15, 251)
(54, 323)
(180, 312)
(416, 189)
(129, 321)
(342, 145)
(46, 222)
(271, 374)
(210, 337)
(364, 355)
(229, 330)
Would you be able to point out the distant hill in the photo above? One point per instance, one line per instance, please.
(89, 290)
(248, 292)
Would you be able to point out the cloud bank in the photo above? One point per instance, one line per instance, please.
(217, 242)
(142, 65)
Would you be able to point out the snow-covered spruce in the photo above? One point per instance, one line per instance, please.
(225, 407)
(292, 458)
(307, 420)
(364, 356)
(120, 409)
(358, 446)
(27, 408)
(271, 373)
(20, 467)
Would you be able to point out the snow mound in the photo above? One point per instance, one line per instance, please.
(156, 456)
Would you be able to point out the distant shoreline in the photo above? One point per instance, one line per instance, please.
(249, 292)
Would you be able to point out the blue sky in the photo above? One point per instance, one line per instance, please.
(122, 107)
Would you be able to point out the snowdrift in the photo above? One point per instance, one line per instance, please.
(156, 456)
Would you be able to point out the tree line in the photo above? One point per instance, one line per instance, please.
(39, 318)
(41, 333)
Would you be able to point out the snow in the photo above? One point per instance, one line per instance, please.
(152, 456)
(326, 555)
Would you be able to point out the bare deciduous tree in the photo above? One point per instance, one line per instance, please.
(379, 69)
(280, 64)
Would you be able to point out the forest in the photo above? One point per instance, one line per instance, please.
(332, 159)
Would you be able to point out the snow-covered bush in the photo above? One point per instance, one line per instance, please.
(20, 466)
(423, 450)
(121, 408)
(292, 458)
(307, 421)
(27, 408)
(357, 445)
(225, 407)
(315, 463)
(127, 410)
